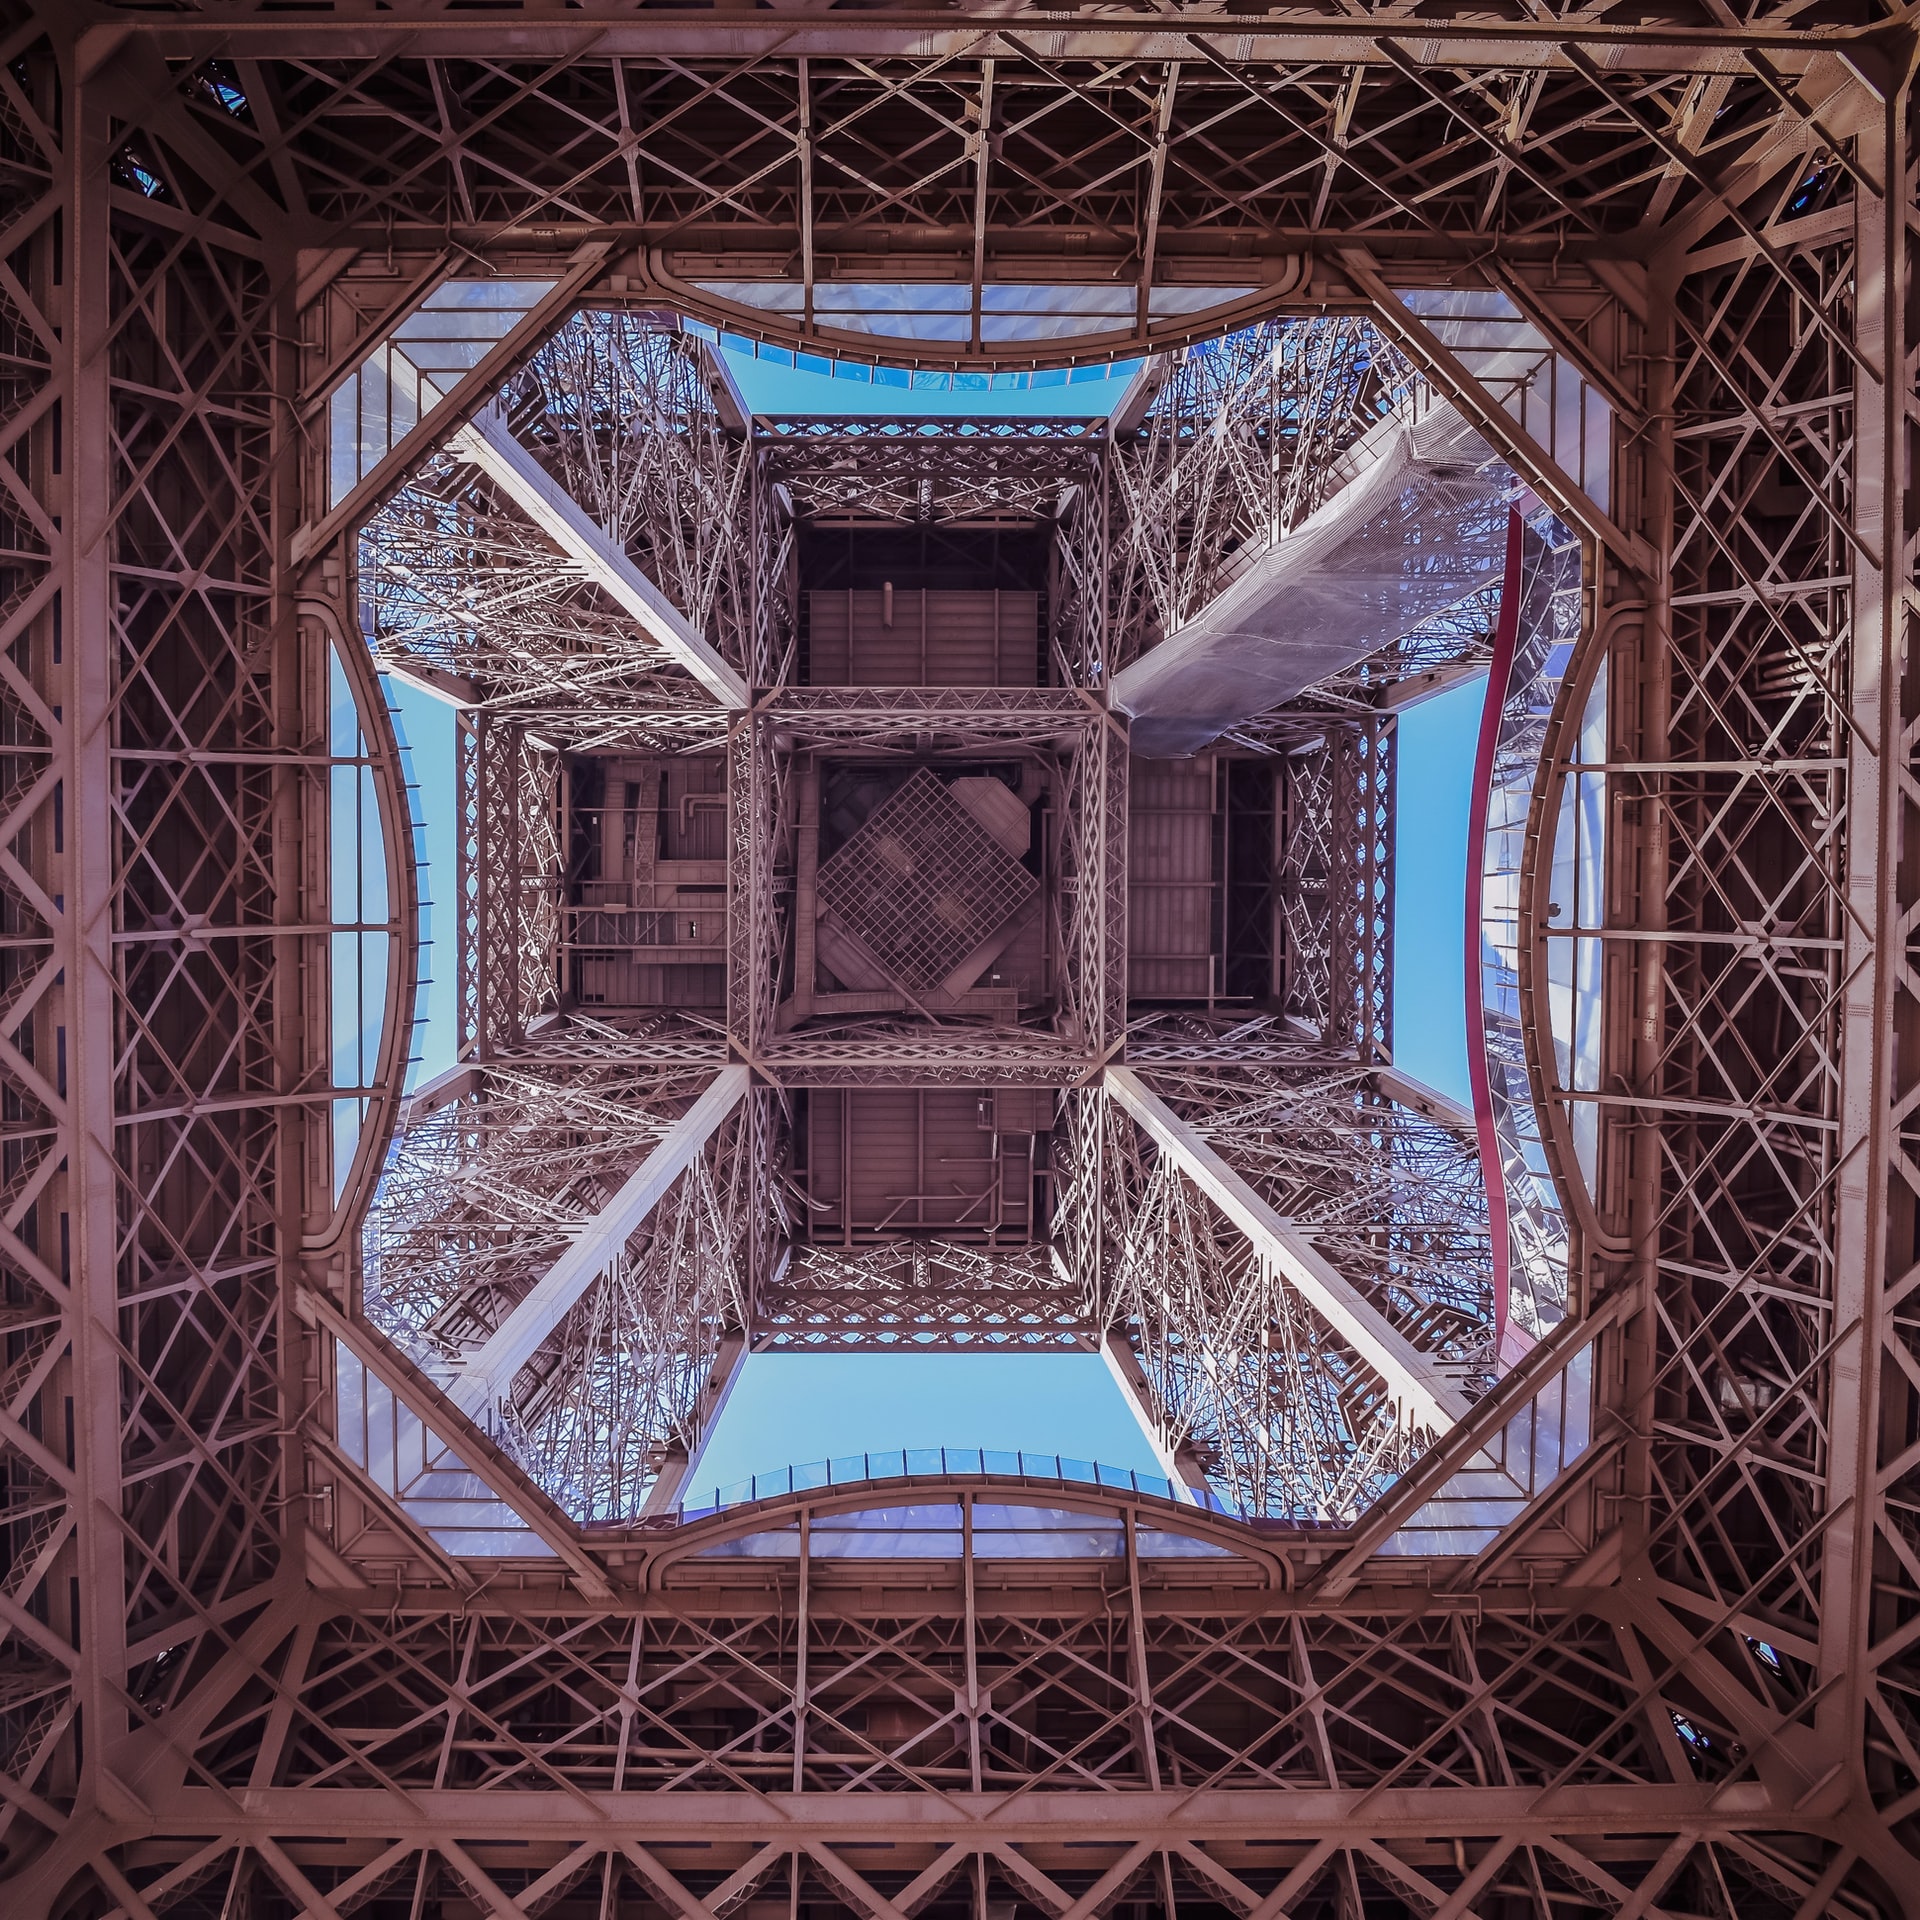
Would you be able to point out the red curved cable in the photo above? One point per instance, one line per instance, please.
(1492, 1167)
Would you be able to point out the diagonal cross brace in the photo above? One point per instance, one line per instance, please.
(489, 1373)
(486, 443)
(1420, 1387)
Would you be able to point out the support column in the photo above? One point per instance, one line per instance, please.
(88, 680)
(1180, 1461)
(1860, 1250)
(676, 1482)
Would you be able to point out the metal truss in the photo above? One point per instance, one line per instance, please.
(462, 592)
(1239, 446)
(484, 1195)
(1336, 884)
(915, 723)
(918, 1293)
(899, 468)
(510, 859)
(636, 422)
(1679, 1680)
(1290, 1420)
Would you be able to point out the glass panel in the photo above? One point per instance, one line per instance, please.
(880, 1519)
(1538, 386)
(936, 310)
(1001, 1531)
(1547, 625)
(360, 947)
(994, 1517)
(1172, 303)
(938, 1463)
(1578, 909)
(781, 1545)
(413, 1466)
(410, 372)
(903, 1544)
(1155, 1544)
(1018, 1532)
(1109, 380)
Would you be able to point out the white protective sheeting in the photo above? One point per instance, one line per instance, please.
(1417, 524)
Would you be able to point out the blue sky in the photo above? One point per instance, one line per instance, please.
(768, 387)
(791, 1408)
(1434, 779)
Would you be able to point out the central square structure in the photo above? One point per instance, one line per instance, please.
(924, 886)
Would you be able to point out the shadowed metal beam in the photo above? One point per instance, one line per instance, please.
(486, 444)
(489, 1373)
(1131, 35)
(1420, 1386)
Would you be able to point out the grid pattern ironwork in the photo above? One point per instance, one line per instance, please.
(1682, 1681)
(922, 883)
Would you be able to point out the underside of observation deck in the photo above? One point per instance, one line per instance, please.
(882, 922)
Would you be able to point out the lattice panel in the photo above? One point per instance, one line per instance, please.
(1714, 1711)
(922, 884)
(921, 1293)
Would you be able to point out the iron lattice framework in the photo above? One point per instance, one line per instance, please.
(1680, 1680)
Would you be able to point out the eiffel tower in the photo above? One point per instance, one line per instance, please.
(924, 880)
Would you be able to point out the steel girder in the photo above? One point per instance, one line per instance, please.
(1709, 1709)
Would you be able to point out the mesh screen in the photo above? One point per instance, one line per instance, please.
(922, 884)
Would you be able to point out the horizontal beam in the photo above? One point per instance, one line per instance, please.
(454, 688)
(613, 32)
(1415, 1095)
(1115, 1818)
(489, 1373)
(486, 443)
(1419, 1385)
(1428, 684)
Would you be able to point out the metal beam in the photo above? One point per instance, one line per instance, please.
(1141, 35)
(96, 1606)
(1420, 1387)
(1405, 1091)
(1414, 529)
(473, 390)
(489, 1373)
(413, 1391)
(1181, 1464)
(486, 443)
(676, 1478)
